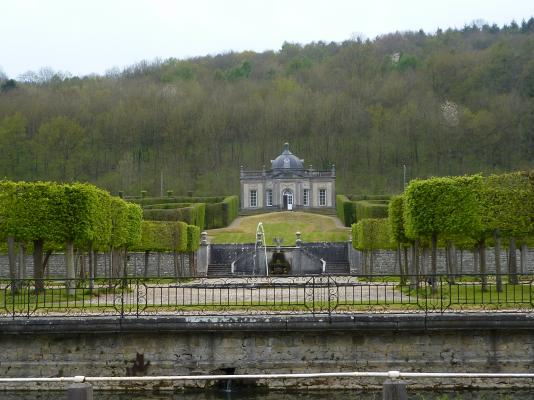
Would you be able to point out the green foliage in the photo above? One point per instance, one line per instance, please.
(372, 234)
(507, 202)
(28, 211)
(134, 216)
(166, 206)
(55, 213)
(176, 199)
(443, 206)
(371, 209)
(230, 209)
(346, 210)
(193, 238)
(194, 214)
(163, 236)
(119, 222)
(396, 219)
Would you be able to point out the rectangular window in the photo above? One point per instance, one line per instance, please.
(254, 198)
(322, 197)
(269, 199)
(306, 199)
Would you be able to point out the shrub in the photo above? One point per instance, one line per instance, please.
(370, 209)
(372, 234)
(163, 236)
(193, 238)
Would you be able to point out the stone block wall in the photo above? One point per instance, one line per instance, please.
(160, 265)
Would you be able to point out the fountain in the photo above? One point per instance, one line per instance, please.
(258, 246)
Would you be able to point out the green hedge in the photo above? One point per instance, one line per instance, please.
(163, 236)
(372, 234)
(358, 197)
(345, 209)
(176, 199)
(230, 209)
(166, 206)
(370, 209)
(193, 215)
(193, 238)
(204, 215)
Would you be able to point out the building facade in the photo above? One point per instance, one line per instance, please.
(288, 185)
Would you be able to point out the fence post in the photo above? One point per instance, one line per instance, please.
(394, 390)
(80, 391)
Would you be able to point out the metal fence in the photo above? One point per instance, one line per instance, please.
(318, 294)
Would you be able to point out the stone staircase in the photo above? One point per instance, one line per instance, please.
(337, 268)
(215, 270)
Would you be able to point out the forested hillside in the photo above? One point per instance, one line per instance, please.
(454, 102)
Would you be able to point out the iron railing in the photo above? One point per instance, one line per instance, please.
(317, 294)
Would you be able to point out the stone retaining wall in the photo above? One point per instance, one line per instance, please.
(482, 342)
(160, 264)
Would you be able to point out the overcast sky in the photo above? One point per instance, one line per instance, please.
(92, 36)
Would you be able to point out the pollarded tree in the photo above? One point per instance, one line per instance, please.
(30, 214)
(85, 218)
(445, 207)
(398, 234)
(508, 201)
(371, 234)
(126, 232)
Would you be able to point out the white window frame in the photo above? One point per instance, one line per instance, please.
(322, 197)
(269, 197)
(306, 197)
(253, 198)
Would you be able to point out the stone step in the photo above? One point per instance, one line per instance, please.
(337, 268)
(219, 270)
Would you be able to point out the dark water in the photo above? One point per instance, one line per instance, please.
(282, 395)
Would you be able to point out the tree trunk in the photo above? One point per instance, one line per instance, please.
(413, 267)
(434, 263)
(38, 265)
(159, 264)
(524, 258)
(175, 264)
(22, 261)
(69, 261)
(95, 263)
(482, 253)
(147, 258)
(192, 263)
(401, 269)
(476, 265)
(406, 267)
(497, 248)
(453, 262)
(125, 267)
(12, 259)
(512, 263)
(116, 263)
(90, 255)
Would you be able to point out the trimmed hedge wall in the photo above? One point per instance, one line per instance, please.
(358, 197)
(372, 234)
(351, 211)
(177, 199)
(204, 215)
(163, 236)
(193, 238)
(230, 209)
(193, 215)
(345, 209)
(371, 209)
(166, 206)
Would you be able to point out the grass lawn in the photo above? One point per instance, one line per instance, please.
(313, 227)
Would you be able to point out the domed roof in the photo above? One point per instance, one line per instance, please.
(287, 160)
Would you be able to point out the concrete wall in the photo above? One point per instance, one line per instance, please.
(269, 344)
